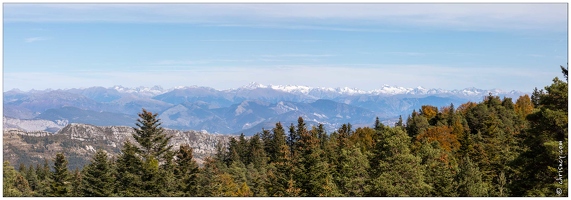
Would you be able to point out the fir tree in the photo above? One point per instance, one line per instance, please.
(548, 130)
(60, 178)
(150, 136)
(353, 172)
(439, 169)
(186, 171)
(129, 171)
(32, 178)
(397, 171)
(76, 183)
(10, 181)
(278, 140)
(97, 176)
(470, 183)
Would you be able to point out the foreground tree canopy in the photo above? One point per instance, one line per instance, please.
(492, 148)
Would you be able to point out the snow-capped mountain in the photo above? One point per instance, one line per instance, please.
(383, 90)
(144, 91)
(244, 109)
(293, 89)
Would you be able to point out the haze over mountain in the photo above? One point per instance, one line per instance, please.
(246, 109)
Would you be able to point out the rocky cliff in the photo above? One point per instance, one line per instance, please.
(80, 141)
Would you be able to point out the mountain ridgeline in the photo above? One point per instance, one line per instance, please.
(243, 110)
(496, 147)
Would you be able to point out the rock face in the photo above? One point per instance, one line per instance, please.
(33, 125)
(80, 141)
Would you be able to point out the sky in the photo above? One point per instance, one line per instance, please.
(448, 46)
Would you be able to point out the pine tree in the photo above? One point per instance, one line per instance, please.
(76, 183)
(257, 180)
(22, 169)
(22, 185)
(168, 184)
(535, 96)
(43, 172)
(267, 138)
(564, 71)
(32, 178)
(313, 174)
(278, 140)
(150, 136)
(439, 169)
(232, 154)
(255, 152)
(378, 125)
(129, 172)
(353, 172)
(417, 124)
(397, 171)
(243, 191)
(156, 155)
(281, 175)
(400, 123)
(98, 176)
(186, 171)
(470, 183)
(207, 179)
(243, 148)
(13, 183)
(548, 130)
(60, 178)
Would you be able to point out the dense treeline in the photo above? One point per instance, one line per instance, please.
(492, 148)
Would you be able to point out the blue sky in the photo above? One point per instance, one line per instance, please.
(448, 46)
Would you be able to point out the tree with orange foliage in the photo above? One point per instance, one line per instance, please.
(429, 111)
(442, 134)
(523, 106)
(465, 107)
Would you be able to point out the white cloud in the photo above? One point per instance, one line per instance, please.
(366, 77)
(460, 16)
(35, 39)
(298, 55)
(233, 40)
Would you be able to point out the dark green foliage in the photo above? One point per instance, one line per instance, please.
(397, 171)
(14, 185)
(491, 148)
(60, 180)
(186, 171)
(544, 143)
(564, 70)
(416, 125)
(470, 183)
(32, 178)
(98, 176)
(278, 140)
(150, 136)
(76, 184)
(44, 180)
(353, 172)
(129, 171)
(439, 170)
(255, 153)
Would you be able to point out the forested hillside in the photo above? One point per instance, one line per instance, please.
(495, 147)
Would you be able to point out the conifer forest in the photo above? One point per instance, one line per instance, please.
(492, 148)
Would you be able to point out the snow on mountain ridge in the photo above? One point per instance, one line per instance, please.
(307, 90)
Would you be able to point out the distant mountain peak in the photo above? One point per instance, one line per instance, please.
(385, 89)
(253, 85)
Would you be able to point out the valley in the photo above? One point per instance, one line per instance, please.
(246, 110)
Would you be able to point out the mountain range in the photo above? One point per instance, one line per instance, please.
(246, 109)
